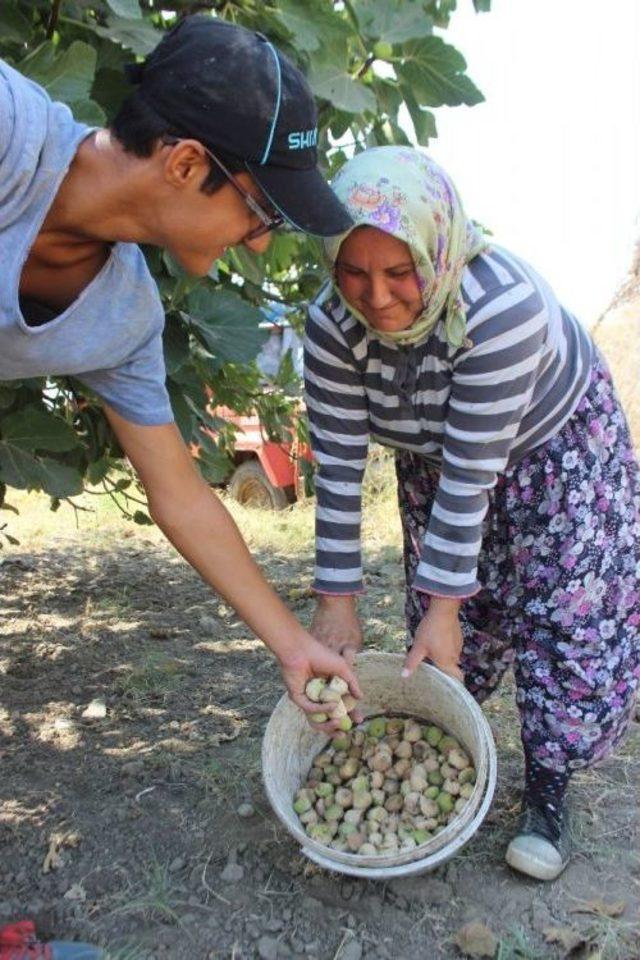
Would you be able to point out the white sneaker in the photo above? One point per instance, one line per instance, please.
(542, 846)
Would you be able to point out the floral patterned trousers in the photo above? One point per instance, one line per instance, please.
(560, 568)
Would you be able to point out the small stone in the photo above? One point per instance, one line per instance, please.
(95, 710)
(245, 810)
(268, 948)
(273, 924)
(177, 864)
(232, 873)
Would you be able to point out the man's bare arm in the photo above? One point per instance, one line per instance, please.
(193, 518)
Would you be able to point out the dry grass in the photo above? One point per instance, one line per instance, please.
(156, 896)
(618, 336)
(290, 533)
(97, 523)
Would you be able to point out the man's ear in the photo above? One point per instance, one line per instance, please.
(185, 163)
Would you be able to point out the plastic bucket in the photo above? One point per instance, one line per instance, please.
(290, 745)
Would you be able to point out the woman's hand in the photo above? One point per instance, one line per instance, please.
(336, 625)
(438, 638)
(316, 660)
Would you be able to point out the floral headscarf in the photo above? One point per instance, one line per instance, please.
(401, 191)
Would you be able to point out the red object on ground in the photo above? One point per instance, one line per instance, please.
(18, 942)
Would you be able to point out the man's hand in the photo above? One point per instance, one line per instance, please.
(336, 625)
(337, 628)
(316, 660)
(438, 638)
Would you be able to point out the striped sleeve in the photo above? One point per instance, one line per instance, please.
(492, 386)
(339, 429)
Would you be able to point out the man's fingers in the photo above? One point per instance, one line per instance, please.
(347, 673)
(355, 688)
(350, 653)
(310, 706)
(327, 727)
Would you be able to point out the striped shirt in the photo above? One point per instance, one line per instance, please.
(472, 411)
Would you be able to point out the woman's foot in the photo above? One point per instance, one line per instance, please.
(542, 845)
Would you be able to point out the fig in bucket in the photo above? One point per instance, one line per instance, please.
(400, 784)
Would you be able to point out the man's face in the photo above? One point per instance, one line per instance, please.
(198, 227)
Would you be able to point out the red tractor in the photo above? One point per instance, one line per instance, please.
(268, 474)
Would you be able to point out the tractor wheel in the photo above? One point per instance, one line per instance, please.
(251, 487)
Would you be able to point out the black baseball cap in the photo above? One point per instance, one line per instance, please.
(234, 91)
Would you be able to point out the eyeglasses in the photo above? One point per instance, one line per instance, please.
(269, 220)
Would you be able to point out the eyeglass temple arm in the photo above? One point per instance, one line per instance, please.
(250, 201)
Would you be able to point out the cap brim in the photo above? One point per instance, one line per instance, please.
(304, 198)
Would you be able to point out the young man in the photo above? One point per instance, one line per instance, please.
(76, 296)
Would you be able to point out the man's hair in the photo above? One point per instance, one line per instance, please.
(138, 127)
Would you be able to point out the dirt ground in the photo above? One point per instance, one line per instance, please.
(147, 829)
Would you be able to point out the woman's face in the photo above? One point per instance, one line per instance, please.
(376, 275)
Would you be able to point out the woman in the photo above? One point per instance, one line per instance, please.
(518, 489)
